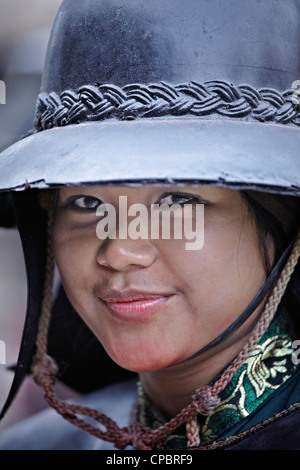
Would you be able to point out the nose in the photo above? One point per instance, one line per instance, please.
(125, 255)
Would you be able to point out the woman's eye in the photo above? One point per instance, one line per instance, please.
(89, 203)
(179, 198)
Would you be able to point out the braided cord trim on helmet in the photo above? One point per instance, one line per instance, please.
(204, 400)
(104, 101)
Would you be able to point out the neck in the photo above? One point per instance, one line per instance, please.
(171, 389)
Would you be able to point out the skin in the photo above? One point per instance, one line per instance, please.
(206, 290)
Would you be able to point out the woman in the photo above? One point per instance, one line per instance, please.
(207, 324)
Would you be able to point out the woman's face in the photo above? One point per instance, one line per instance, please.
(152, 302)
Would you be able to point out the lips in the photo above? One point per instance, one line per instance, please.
(134, 305)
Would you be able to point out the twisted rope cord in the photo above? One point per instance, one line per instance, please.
(268, 315)
(258, 331)
(105, 101)
(204, 400)
(43, 327)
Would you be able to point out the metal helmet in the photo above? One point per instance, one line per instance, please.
(145, 92)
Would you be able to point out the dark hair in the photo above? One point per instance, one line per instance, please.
(267, 225)
(282, 233)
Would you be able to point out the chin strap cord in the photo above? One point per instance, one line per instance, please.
(204, 401)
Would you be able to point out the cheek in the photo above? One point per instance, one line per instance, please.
(221, 278)
(75, 257)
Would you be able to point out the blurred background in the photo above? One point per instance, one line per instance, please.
(24, 31)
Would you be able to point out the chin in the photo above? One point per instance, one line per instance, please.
(139, 362)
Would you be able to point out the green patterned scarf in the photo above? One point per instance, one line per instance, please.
(267, 368)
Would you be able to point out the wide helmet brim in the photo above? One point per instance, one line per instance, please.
(234, 154)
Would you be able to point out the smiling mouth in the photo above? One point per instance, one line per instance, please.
(133, 306)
